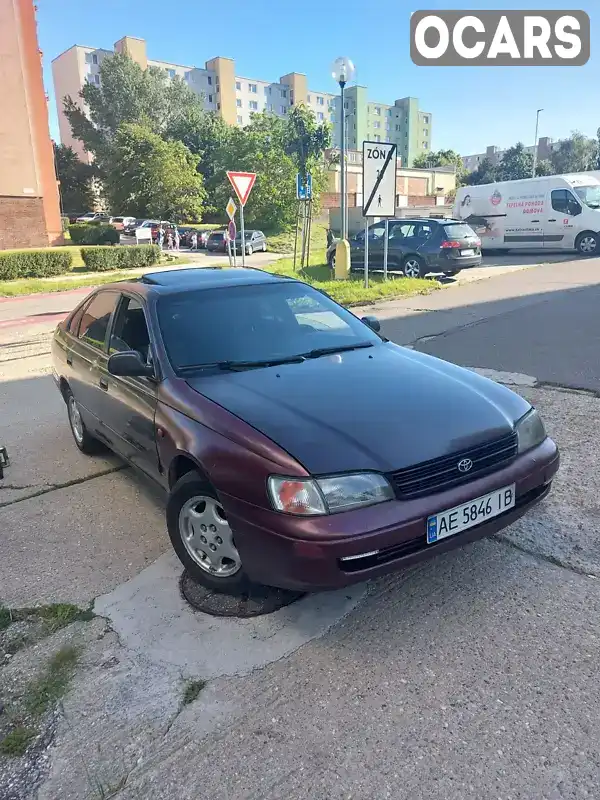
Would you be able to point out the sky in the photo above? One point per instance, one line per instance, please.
(472, 107)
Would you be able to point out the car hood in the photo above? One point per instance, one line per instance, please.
(381, 408)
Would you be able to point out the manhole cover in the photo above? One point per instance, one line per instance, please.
(258, 600)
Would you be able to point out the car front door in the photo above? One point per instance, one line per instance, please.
(130, 402)
(401, 240)
(86, 358)
(560, 227)
(376, 239)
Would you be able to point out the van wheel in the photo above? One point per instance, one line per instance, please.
(587, 243)
(413, 267)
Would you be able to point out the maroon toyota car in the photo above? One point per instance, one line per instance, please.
(299, 447)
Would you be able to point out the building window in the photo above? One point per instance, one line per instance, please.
(425, 145)
(320, 116)
(377, 124)
(269, 107)
(320, 101)
(284, 92)
(308, 98)
(210, 98)
(425, 132)
(209, 79)
(426, 119)
(239, 119)
(389, 112)
(94, 58)
(346, 106)
(171, 73)
(253, 105)
(238, 85)
(187, 76)
(266, 90)
(377, 110)
(377, 138)
(283, 109)
(406, 120)
(238, 103)
(252, 88)
(397, 127)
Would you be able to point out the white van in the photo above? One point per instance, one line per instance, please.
(556, 212)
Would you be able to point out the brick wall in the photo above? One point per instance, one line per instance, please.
(332, 199)
(22, 222)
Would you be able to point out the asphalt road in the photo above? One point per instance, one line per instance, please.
(469, 677)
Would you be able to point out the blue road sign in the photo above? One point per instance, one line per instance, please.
(304, 187)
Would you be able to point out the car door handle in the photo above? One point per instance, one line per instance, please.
(103, 384)
(550, 220)
(70, 361)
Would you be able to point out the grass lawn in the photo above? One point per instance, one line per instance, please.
(352, 292)
(19, 287)
(284, 242)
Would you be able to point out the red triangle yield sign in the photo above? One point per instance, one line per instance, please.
(242, 182)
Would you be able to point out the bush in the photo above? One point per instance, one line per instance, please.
(90, 233)
(34, 263)
(102, 259)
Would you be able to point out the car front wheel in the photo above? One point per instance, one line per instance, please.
(202, 538)
(413, 267)
(249, 250)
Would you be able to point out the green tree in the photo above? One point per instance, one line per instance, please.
(516, 164)
(153, 177)
(575, 154)
(127, 94)
(76, 180)
(486, 172)
(442, 158)
(306, 140)
(544, 167)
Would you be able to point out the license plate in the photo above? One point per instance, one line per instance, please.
(467, 252)
(460, 518)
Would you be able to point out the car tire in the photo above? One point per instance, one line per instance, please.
(588, 244)
(331, 260)
(264, 247)
(413, 267)
(87, 443)
(249, 250)
(195, 513)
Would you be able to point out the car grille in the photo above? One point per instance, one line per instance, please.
(442, 473)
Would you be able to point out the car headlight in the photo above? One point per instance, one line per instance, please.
(308, 496)
(530, 431)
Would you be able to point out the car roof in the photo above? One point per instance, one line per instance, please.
(177, 280)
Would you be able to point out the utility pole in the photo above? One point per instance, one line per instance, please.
(535, 149)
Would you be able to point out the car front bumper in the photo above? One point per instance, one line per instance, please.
(309, 553)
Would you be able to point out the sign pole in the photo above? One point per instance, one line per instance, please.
(243, 242)
(366, 253)
(229, 250)
(385, 249)
(234, 249)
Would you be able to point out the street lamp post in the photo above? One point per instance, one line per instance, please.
(342, 71)
(535, 149)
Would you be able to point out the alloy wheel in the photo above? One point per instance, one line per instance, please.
(75, 420)
(588, 244)
(412, 268)
(208, 538)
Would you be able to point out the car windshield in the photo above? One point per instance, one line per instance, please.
(267, 322)
(590, 195)
(459, 231)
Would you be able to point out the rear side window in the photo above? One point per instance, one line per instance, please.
(95, 319)
(459, 231)
(73, 324)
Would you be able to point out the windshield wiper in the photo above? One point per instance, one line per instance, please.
(235, 365)
(324, 351)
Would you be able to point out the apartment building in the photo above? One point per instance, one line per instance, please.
(29, 201)
(236, 98)
(495, 154)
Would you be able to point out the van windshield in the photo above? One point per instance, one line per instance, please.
(590, 195)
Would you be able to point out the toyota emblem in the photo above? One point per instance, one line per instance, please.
(465, 465)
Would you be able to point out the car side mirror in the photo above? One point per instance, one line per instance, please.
(129, 364)
(372, 322)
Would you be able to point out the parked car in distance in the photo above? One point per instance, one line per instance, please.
(256, 242)
(155, 224)
(120, 222)
(416, 247)
(94, 216)
(203, 238)
(185, 234)
(216, 242)
(129, 230)
(281, 427)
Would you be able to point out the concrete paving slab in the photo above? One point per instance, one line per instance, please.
(72, 544)
(152, 618)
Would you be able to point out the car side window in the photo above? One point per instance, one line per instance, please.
(73, 325)
(130, 331)
(564, 202)
(376, 233)
(402, 231)
(424, 231)
(95, 319)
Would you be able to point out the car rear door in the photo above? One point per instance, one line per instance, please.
(130, 402)
(86, 358)
(401, 240)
